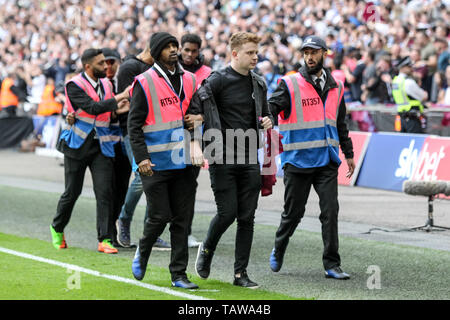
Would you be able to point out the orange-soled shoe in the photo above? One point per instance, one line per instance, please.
(106, 247)
(58, 239)
(63, 243)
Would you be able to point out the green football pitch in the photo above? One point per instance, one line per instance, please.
(30, 268)
(77, 273)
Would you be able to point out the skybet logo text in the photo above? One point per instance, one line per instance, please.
(407, 161)
(428, 164)
(419, 165)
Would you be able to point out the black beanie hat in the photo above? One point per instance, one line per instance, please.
(159, 41)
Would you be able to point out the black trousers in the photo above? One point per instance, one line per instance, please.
(297, 189)
(170, 198)
(121, 179)
(101, 168)
(10, 110)
(411, 123)
(236, 190)
(196, 172)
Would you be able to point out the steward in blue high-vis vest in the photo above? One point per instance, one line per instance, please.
(311, 112)
(86, 122)
(160, 99)
(89, 143)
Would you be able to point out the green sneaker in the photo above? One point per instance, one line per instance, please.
(58, 240)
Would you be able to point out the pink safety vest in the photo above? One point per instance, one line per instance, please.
(202, 73)
(165, 116)
(102, 119)
(310, 137)
(85, 122)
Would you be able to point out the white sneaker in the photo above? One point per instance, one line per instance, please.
(192, 242)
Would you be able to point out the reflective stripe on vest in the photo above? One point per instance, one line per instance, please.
(165, 146)
(403, 102)
(116, 132)
(163, 127)
(85, 122)
(310, 144)
(310, 137)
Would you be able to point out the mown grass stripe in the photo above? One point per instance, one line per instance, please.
(102, 275)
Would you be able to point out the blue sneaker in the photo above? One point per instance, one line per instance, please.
(276, 260)
(138, 267)
(183, 282)
(336, 273)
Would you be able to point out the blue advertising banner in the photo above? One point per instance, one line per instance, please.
(390, 159)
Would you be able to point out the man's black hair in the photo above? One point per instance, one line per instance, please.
(191, 38)
(357, 54)
(89, 54)
(372, 54)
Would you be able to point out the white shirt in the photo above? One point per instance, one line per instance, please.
(95, 85)
(412, 89)
(37, 87)
(447, 97)
(323, 79)
(115, 82)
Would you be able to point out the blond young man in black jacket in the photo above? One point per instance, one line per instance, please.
(234, 107)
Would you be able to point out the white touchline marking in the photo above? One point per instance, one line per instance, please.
(103, 275)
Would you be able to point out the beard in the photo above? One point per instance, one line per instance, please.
(316, 68)
(99, 73)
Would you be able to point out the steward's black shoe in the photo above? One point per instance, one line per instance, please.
(203, 262)
(183, 282)
(242, 280)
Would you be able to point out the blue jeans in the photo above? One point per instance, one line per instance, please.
(135, 189)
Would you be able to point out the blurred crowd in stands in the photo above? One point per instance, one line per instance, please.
(41, 41)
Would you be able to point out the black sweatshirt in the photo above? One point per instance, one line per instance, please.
(129, 69)
(233, 95)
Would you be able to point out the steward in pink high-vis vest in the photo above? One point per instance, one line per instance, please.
(160, 99)
(86, 122)
(163, 127)
(310, 137)
(311, 115)
(89, 143)
(191, 58)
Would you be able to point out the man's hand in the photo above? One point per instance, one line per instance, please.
(385, 77)
(125, 94)
(197, 158)
(351, 167)
(266, 123)
(193, 121)
(70, 118)
(60, 98)
(123, 106)
(145, 167)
